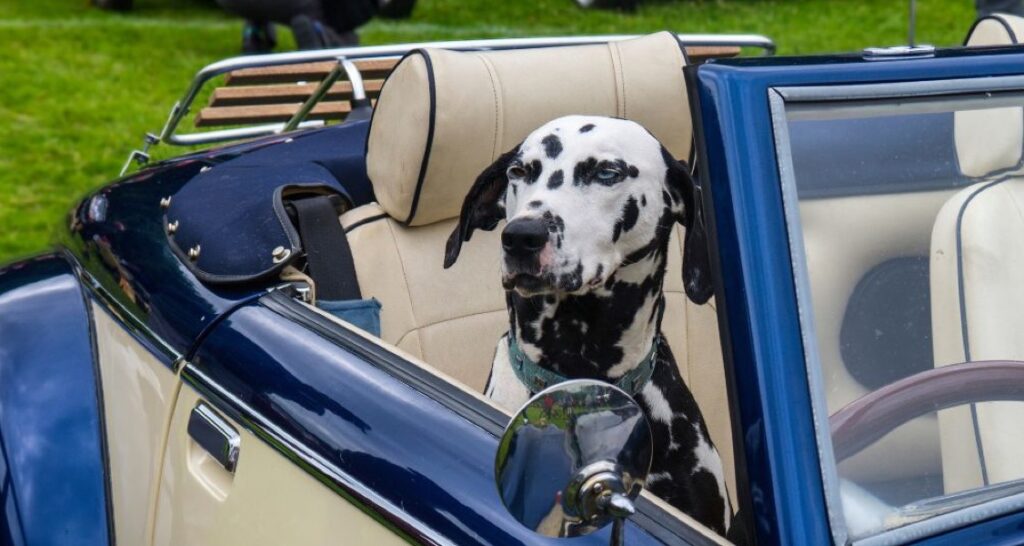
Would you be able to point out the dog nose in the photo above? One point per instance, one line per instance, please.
(524, 236)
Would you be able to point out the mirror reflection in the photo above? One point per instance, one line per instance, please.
(568, 452)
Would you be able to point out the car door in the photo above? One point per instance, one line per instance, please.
(339, 439)
(855, 273)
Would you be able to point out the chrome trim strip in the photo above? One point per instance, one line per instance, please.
(872, 91)
(945, 522)
(812, 358)
(214, 435)
(224, 135)
(353, 490)
(182, 107)
(355, 78)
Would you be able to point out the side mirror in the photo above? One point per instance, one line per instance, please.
(573, 459)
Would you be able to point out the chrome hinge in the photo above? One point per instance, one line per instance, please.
(140, 157)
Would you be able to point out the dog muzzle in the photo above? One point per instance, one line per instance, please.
(535, 378)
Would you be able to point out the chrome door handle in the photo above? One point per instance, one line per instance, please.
(215, 435)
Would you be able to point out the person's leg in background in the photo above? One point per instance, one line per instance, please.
(313, 22)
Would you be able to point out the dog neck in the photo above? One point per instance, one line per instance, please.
(601, 334)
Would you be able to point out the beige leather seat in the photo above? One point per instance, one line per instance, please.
(977, 263)
(444, 116)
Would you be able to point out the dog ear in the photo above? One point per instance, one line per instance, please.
(483, 207)
(688, 206)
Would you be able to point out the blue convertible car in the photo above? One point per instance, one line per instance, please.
(209, 356)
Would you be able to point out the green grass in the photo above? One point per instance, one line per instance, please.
(79, 86)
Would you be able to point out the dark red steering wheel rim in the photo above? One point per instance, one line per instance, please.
(865, 420)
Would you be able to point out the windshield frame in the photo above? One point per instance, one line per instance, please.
(782, 102)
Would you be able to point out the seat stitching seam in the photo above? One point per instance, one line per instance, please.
(492, 77)
(405, 276)
(622, 79)
(436, 322)
(614, 74)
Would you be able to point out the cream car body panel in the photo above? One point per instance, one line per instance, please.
(139, 392)
(268, 500)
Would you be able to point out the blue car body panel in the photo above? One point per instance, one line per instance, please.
(52, 472)
(762, 335)
(118, 236)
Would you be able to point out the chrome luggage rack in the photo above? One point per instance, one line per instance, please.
(346, 66)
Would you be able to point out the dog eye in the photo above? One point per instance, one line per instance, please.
(515, 171)
(607, 174)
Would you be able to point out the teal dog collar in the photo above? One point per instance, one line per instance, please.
(536, 379)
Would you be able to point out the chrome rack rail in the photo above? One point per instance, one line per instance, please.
(344, 56)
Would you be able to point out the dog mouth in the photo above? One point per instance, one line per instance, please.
(527, 284)
(532, 284)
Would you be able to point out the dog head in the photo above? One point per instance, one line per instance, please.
(583, 196)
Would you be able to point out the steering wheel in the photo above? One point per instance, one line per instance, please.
(867, 419)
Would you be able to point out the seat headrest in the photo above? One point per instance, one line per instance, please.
(443, 116)
(991, 140)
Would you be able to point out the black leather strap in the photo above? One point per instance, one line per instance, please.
(328, 256)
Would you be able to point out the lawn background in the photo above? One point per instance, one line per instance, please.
(79, 86)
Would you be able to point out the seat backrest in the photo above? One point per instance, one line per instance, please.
(977, 258)
(441, 119)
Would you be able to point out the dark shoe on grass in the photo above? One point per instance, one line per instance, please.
(312, 34)
(258, 38)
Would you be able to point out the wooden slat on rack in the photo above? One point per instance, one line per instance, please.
(699, 54)
(306, 72)
(285, 93)
(270, 113)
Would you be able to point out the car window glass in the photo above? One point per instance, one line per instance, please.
(906, 218)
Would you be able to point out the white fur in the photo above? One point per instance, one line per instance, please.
(504, 387)
(660, 410)
(709, 460)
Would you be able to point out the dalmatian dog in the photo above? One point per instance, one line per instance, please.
(590, 203)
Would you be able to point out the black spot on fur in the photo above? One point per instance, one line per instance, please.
(633, 171)
(586, 128)
(643, 200)
(630, 214)
(600, 269)
(533, 170)
(571, 282)
(534, 204)
(556, 226)
(583, 171)
(552, 146)
(556, 179)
